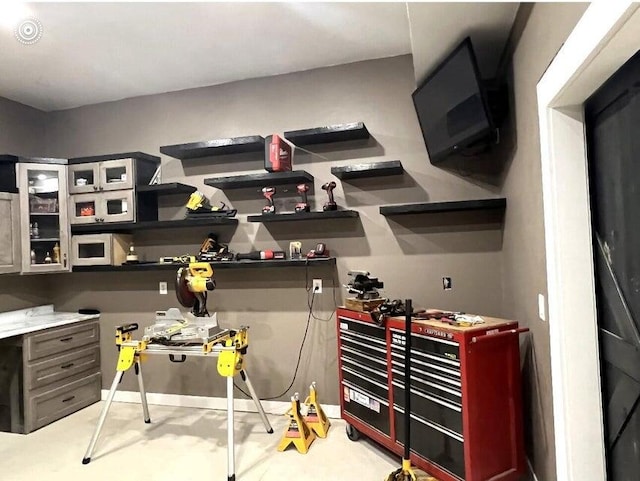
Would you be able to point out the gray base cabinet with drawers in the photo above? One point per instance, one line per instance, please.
(48, 374)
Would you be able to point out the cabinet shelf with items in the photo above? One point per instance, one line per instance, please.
(44, 224)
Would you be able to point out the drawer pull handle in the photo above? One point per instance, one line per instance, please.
(65, 339)
(70, 398)
(66, 366)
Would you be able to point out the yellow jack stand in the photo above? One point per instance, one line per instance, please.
(316, 419)
(297, 431)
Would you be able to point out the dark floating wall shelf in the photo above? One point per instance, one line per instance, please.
(244, 264)
(169, 188)
(298, 216)
(207, 148)
(328, 134)
(123, 155)
(159, 224)
(449, 206)
(261, 179)
(372, 169)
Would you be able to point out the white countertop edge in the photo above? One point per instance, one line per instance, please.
(25, 321)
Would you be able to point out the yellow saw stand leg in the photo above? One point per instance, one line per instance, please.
(316, 419)
(297, 431)
(129, 356)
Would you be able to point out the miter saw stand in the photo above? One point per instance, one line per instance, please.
(179, 337)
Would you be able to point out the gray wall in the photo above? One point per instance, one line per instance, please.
(523, 250)
(22, 132)
(410, 255)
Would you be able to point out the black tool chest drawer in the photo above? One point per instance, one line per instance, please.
(433, 441)
(364, 328)
(431, 407)
(442, 349)
(365, 406)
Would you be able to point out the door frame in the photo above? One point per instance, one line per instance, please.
(606, 36)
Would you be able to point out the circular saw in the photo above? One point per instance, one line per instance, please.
(192, 284)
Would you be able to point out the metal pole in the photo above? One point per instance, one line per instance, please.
(407, 379)
(103, 416)
(231, 470)
(143, 393)
(256, 400)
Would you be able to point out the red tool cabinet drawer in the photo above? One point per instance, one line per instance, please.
(371, 330)
(432, 408)
(433, 442)
(369, 409)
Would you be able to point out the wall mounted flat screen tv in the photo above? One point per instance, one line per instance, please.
(452, 105)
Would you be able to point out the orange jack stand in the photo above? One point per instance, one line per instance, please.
(297, 431)
(316, 419)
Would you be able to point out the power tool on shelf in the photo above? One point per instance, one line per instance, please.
(212, 250)
(331, 204)
(198, 207)
(268, 193)
(303, 206)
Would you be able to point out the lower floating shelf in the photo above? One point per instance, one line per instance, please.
(298, 216)
(104, 227)
(447, 206)
(243, 264)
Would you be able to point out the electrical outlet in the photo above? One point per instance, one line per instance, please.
(317, 286)
(162, 288)
(446, 283)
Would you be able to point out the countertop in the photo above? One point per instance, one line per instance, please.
(24, 321)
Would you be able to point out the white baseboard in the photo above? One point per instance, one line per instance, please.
(219, 403)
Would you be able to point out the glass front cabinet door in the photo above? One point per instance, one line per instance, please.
(9, 233)
(44, 217)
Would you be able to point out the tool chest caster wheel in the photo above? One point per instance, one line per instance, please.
(352, 433)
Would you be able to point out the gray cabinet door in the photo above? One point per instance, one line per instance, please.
(44, 217)
(116, 174)
(9, 233)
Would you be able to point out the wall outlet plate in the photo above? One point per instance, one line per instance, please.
(447, 283)
(317, 286)
(162, 288)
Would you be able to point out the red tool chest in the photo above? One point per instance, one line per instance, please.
(466, 404)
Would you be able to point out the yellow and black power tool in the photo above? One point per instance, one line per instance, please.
(192, 284)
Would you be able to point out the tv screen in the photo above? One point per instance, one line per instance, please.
(451, 105)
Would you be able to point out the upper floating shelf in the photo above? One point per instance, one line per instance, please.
(169, 188)
(328, 134)
(297, 216)
(234, 145)
(449, 206)
(260, 179)
(372, 169)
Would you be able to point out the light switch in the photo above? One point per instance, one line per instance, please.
(541, 308)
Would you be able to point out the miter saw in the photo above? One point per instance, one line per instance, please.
(172, 328)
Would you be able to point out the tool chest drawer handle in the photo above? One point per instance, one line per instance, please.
(66, 366)
(70, 398)
(509, 332)
(65, 339)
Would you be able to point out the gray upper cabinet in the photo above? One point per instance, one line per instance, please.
(101, 176)
(44, 224)
(9, 233)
